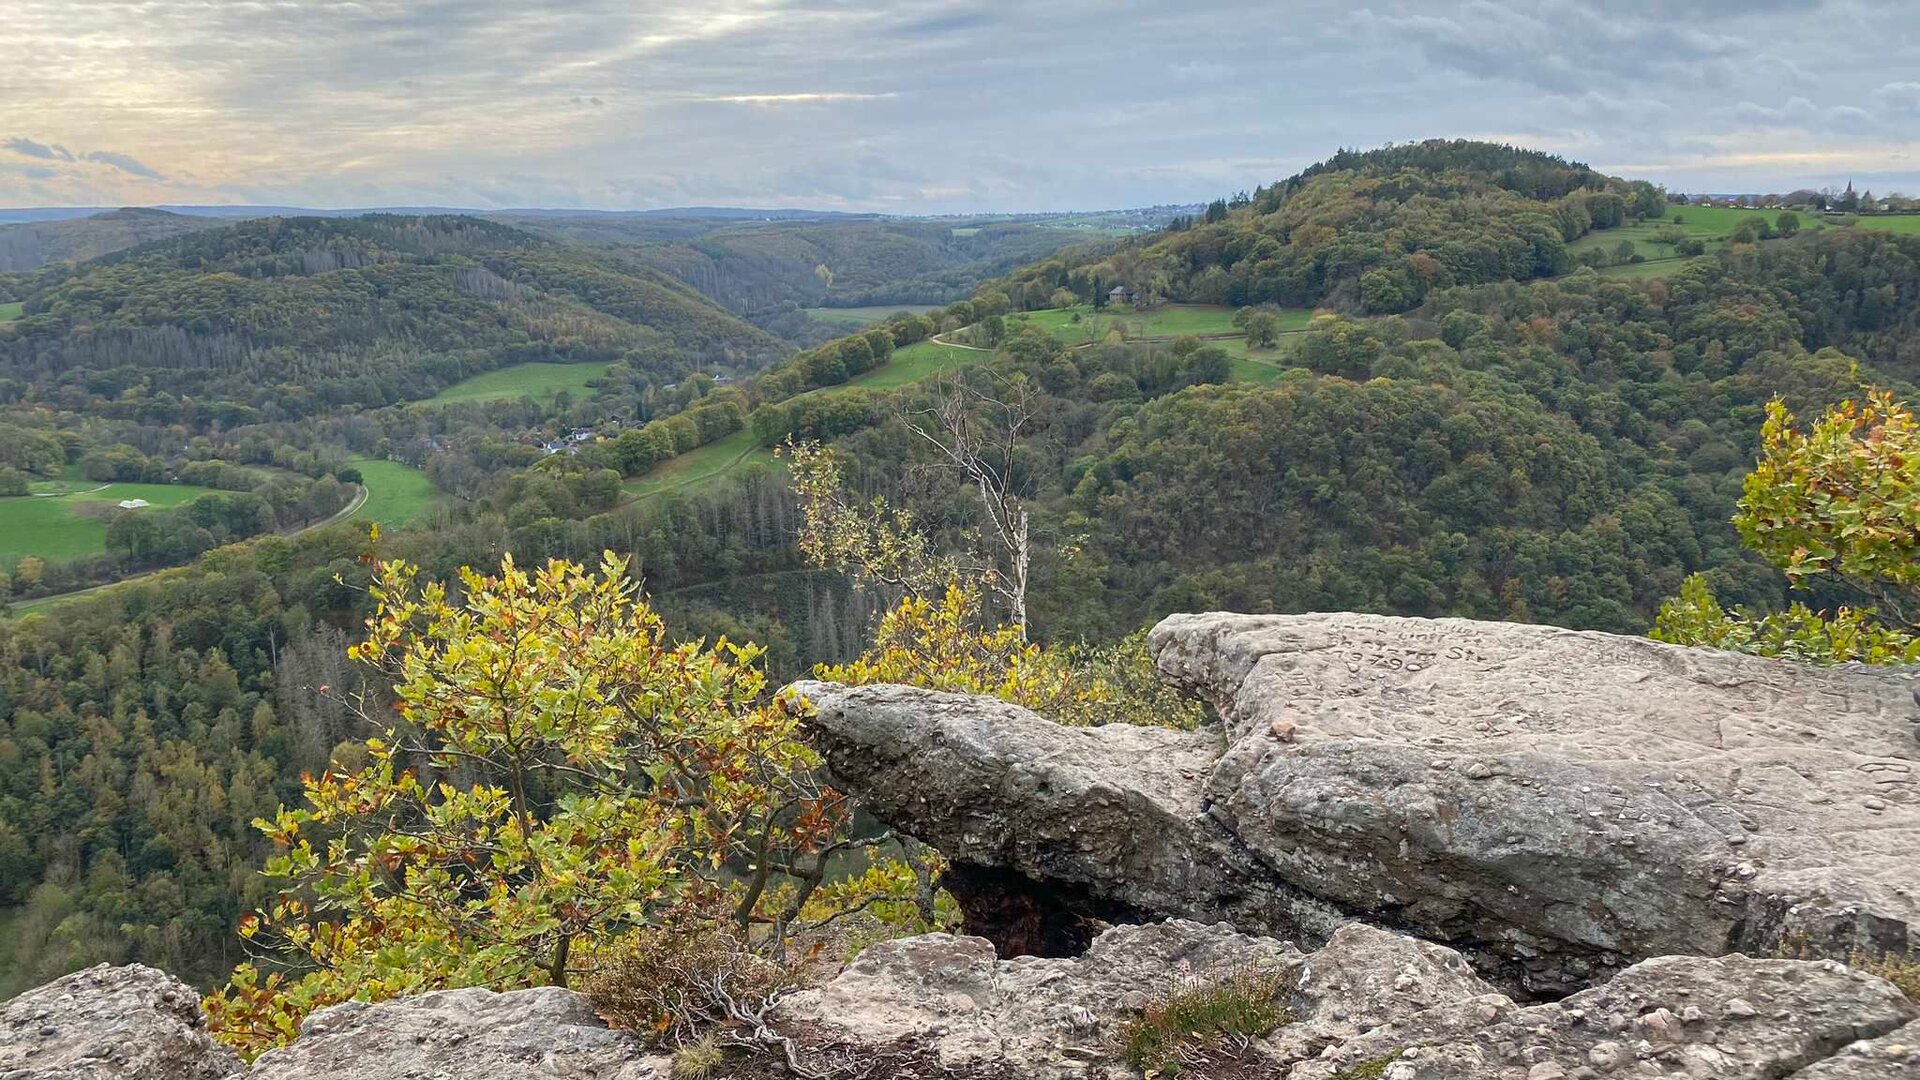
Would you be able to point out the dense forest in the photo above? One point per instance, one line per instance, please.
(755, 268)
(1500, 434)
(1367, 232)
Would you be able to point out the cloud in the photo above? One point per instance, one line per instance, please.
(124, 163)
(20, 144)
(1899, 97)
(921, 105)
(804, 98)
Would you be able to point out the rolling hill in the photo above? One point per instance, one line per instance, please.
(283, 317)
(32, 245)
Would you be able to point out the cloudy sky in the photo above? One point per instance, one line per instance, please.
(920, 106)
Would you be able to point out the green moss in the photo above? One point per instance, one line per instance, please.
(1370, 1069)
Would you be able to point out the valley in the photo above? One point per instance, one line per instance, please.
(1425, 381)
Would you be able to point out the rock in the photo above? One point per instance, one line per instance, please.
(1813, 1010)
(1043, 822)
(1566, 802)
(1893, 1056)
(1034, 1017)
(108, 1022)
(1369, 997)
(471, 1034)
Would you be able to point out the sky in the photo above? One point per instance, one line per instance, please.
(924, 106)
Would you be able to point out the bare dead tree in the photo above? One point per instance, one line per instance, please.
(977, 430)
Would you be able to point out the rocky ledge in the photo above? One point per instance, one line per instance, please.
(1368, 1003)
(1557, 803)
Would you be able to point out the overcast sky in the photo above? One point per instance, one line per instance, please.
(920, 107)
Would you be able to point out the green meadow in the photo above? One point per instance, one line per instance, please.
(1080, 324)
(1908, 224)
(538, 381)
(68, 526)
(865, 316)
(10, 312)
(699, 465)
(396, 493)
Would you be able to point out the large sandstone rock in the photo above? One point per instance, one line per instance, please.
(1564, 801)
(1368, 1003)
(106, 1023)
(471, 1034)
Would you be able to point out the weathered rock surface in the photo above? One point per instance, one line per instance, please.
(1410, 1009)
(472, 1034)
(1893, 1056)
(110, 1022)
(1563, 800)
(1033, 1017)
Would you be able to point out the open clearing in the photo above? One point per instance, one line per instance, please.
(865, 316)
(697, 465)
(538, 381)
(10, 312)
(1080, 324)
(396, 493)
(911, 364)
(1898, 223)
(68, 526)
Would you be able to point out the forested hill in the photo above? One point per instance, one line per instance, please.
(296, 316)
(1372, 232)
(33, 244)
(755, 267)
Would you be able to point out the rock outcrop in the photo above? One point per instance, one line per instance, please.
(106, 1023)
(1368, 1003)
(1561, 802)
(463, 1035)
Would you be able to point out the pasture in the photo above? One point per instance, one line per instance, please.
(396, 493)
(539, 381)
(1907, 224)
(913, 363)
(699, 464)
(57, 528)
(856, 317)
(1080, 324)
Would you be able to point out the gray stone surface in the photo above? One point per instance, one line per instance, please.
(546, 1033)
(1561, 788)
(1893, 1056)
(1730, 1018)
(1567, 802)
(110, 1022)
(1368, 996)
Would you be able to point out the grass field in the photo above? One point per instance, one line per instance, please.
(58, 528)
(913, 363)
(1908, 224)
(539, 381)
(700, 464)
(10, 312)
(396, 493)
(864, 316)
(1164, 322)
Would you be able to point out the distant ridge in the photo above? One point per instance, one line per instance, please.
(19, 215)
